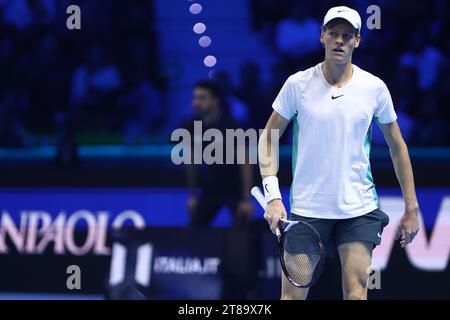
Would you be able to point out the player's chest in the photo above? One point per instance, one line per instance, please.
(336, 104)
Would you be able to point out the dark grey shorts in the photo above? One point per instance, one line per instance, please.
(334, 232)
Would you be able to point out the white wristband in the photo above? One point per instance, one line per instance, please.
(271, 188)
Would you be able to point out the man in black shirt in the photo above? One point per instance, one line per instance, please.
(219, 184)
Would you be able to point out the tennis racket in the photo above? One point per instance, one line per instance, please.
(301, 251)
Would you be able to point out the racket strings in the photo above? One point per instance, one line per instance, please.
(302, 254)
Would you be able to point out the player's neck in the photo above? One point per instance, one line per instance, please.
(337, 75)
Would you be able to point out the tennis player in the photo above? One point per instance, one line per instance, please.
(332, 106)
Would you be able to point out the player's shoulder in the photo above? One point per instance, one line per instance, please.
(369, 79)
(304, 77)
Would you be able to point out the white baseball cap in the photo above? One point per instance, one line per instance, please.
(345, 13)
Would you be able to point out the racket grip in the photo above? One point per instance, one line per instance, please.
(277, 232)
(256, 192)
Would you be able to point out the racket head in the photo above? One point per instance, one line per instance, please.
(302, 254)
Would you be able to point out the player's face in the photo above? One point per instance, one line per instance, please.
(203, 101)
(339, 41)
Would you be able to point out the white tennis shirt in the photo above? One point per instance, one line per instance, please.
(332, 135)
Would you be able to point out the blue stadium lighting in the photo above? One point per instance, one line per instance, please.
(204, 41)
(195, 8)
(199, 28)
(210, 61)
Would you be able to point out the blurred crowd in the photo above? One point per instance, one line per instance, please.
(106, 77)
(56, 81)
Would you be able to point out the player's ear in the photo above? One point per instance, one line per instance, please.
(357, 39)
(322, 36)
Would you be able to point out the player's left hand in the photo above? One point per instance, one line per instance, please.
(408, 228)
(245, 208)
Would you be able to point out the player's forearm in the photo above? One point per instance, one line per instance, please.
(404, 173)
(268, 146)
(268, 154)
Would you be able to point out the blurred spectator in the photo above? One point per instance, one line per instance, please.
(405, 104)
(425, 58)
(45, 11)
(12, 130)
(443, 91)
(279, 73)
(252, 93)
(17, 13)
(433, 130)
(6, 60)
(219, 185)
(51, 71)
(94, 91)
(299, 34)
(267, 12)
(142, 105)
(96, 77)
(47, 86)
(236, 107)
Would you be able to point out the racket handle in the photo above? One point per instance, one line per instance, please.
(277, 232)
(256, 192)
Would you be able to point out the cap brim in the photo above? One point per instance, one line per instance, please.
(337, 19)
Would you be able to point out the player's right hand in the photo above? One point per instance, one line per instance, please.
(192, 204)
(275, 211)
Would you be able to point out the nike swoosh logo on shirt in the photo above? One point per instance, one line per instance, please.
(333, 97)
